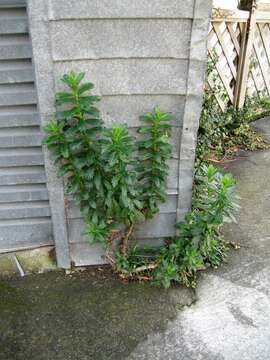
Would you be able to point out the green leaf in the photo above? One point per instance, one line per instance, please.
(115, 181)
(80, 76)
(85, 87)
(64, 151)
(97, 181)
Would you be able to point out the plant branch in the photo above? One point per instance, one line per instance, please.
(126, 239)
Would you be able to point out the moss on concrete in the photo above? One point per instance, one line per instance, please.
(37, 260)
(86, 315)
(32, 261)
(7, 266)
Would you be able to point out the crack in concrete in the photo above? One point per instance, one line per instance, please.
(240, 316)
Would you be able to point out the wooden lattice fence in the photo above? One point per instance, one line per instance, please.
(239, 56)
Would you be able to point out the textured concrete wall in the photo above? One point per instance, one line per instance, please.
(139, 54)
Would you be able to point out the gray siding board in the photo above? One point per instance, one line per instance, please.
(11, 12)
(120, 39)
(24, 210)
(24, 175)
(24, 207)
(18, 98)
(10, 194)
(94, 9)
(17, 140)
(15, 51)
(12, 3)
(130, 76)
(19, 158)
(24, 234)
(14, 25)
(13, 119)
(8, 76)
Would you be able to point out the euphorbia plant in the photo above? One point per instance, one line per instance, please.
(74, 140)
(118, 182)
(115, 180)
(155, 150)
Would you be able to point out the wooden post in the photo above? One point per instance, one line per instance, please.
(246, 4)
(243, 41)
(244, 59)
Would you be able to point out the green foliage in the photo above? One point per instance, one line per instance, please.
(136, 257)
(199, 243)
(223, 133)
(118, 181)
(106, 170)
(122, 180)
(75, 142)
(155, 151)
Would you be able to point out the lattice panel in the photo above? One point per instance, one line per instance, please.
(259, 72)
(224, 40)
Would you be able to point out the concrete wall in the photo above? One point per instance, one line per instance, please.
(139, 54)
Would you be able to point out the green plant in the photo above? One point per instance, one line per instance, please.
(222, 133)
(199, 243)
(75, 143)
(137, 260)
(155, 151)
(106, 170)
(119, 164)
(118, 181)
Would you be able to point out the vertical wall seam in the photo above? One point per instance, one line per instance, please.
(193, 103)
(45, 87)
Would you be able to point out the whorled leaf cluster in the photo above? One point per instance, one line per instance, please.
(115, 179)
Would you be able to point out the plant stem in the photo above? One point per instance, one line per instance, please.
(125, 240)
